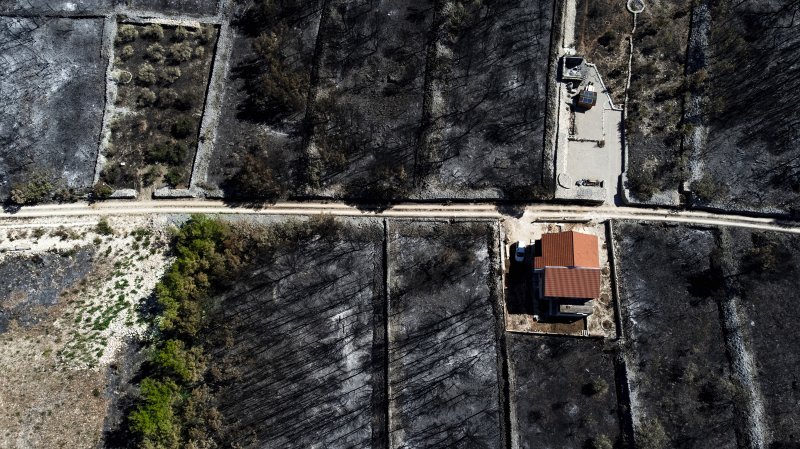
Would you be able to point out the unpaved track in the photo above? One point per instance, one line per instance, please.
(547, 212)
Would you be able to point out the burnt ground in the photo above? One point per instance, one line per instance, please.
(752, 149)
(53, 93)
(678, 369)
(563, 392)
(244, 129)
(444, 378)
(765, 274)
(31, 284)
(656, 96)
(304, 339)
(372, 74)
(491, 75)
(183, 7)
(407, 100)
(39, 7)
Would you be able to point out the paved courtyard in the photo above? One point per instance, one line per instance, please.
(589, 147)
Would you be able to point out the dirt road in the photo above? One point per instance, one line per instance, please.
(541, 212)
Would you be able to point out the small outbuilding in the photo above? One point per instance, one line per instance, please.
(588, 97)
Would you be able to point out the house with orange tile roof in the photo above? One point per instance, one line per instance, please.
(566, 268)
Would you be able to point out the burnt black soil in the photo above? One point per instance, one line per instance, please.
(752, 148)
(679, 374)
(766, 278)
(31, 284)
(444, 382)
(52, 94)
(564, 391)
(407, 100)
(301, 361)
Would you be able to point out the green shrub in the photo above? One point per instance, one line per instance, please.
(170, 74)
(155, 53)
(597, 387)
(153, 421)
(146, 74)
(154, 32)
(706, 189)
(205, 34)
(36, 189)
(257, 180)
(101, 190)
(180, 52)
(126, 52)
(126, 33)
(146, 97)
(650, 435)
(642, 183)
(183, 127)
(169, 153)
(174, 360)
(167, 97)
(103, 228)
(599, 442)
(199, 52)
(175, 176)
(181, 34)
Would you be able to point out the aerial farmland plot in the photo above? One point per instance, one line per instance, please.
(750, 159)
(562, 392)
(53, 93)
(485, 114)
(444, 369)
(260, 132)
(302, 328)
(160, 74)
(766, 270)
(681, 390)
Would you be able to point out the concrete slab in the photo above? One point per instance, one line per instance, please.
(589, 146)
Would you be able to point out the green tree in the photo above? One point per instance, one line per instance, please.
(153, 421)
(37, 188)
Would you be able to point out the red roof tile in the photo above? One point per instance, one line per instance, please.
(568, 249)
(562, 282)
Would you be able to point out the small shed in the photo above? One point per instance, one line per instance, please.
(588, 97)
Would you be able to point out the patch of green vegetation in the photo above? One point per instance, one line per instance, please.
(175, 404)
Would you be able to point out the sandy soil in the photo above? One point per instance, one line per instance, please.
(53, 388)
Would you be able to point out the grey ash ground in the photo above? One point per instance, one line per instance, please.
(31, 284)
(390, 100)
(444, 366)
(563, 392)
(53, 94)
(303, 364)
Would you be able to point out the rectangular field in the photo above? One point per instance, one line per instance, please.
(368, 108)
(304, 337)
(678, 371)
(487, 99)
(52, 94)
(751, 159)
(767, 267)
(261, 119)
(444, 380)
(562, 392)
